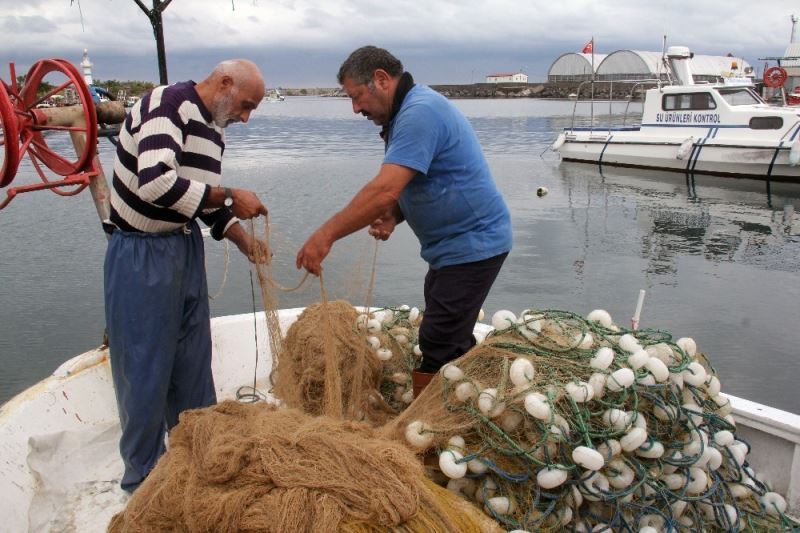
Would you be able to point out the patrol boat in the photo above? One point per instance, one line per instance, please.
(723, 129)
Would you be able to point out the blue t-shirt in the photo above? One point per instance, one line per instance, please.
(452, 204)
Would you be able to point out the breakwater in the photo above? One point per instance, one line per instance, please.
(502, 90)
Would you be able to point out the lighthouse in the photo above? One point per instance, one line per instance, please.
(86, 66)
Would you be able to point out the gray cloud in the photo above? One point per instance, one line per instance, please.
(458, 41)
(32, 24)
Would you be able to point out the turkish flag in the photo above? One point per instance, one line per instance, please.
(588, 48)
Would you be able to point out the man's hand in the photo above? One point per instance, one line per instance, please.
(246, 204)
(256, 251)
(314, 251)
(382, 228)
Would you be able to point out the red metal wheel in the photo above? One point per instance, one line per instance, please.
(775, 77)
(49, 80)
(9, 138)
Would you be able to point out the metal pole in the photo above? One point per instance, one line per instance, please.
(107, 113)
(158, 30)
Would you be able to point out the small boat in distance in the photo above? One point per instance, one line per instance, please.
(274, 95)
(723, 129)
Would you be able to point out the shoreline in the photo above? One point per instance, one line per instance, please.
(549, 90)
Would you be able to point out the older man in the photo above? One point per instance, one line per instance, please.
(435, 177)
(167, 173)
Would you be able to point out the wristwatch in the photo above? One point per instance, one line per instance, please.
(228, 197)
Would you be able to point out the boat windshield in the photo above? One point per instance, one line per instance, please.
(740, 96)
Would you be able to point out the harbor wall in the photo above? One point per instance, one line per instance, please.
(561, 89)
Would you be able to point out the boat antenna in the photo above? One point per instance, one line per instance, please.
(663, 60)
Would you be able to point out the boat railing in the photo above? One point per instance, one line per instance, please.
(637, 88)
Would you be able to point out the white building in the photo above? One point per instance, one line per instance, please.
(641, 65)
(502, 77)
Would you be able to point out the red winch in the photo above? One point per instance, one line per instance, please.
(52, 106)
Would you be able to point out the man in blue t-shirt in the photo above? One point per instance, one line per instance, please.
(435, 177)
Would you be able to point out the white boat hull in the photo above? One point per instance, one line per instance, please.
(635, 149)
(78, 400)
(719, 129)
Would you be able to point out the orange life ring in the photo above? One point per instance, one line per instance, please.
(775, 77)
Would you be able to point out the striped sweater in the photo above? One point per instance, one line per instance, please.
(169, 156)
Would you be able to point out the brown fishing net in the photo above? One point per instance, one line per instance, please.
(553, 422)
(326, 369)
(236, 467)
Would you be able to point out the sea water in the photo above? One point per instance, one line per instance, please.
(719, 258)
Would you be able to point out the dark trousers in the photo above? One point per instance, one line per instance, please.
(453, 298)
(159, 337)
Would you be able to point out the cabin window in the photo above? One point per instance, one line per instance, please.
(688, 101)
(740, 96)
(766, 123)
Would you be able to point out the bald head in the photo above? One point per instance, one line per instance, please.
(232, 91)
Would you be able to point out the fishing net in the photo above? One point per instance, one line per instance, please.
(325, 370)
(551, 422)
(556, 421)
(254, 467)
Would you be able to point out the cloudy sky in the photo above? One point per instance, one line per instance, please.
(300, 43)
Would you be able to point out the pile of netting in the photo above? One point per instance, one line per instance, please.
(552, 422)
(324, 369)
(558, 422)
(254, 467)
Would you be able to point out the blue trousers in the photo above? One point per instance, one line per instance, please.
(159, 337)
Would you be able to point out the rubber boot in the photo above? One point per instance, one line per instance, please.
(420, 380)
